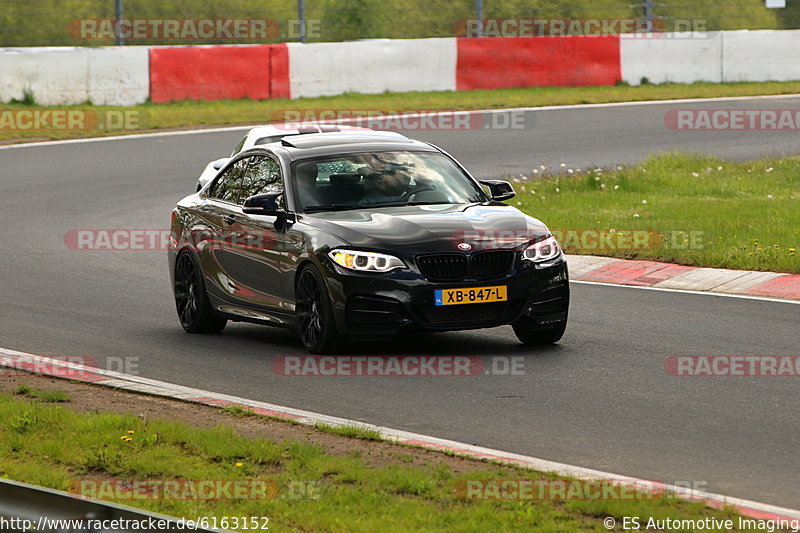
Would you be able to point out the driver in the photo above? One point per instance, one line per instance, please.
(385, 187)
(306, 177)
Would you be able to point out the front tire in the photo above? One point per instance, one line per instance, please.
(531, 335)
(191, 300)
(315, 313)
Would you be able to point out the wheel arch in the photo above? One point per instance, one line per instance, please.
(336, 299)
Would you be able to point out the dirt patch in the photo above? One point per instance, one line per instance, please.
(86, 398)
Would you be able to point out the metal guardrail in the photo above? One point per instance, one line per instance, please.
(22, 505)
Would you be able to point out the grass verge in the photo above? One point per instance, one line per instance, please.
(692, 209)
(310, 488)
(48, 396)
(185, 114)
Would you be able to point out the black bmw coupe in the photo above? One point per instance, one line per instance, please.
(362, 236)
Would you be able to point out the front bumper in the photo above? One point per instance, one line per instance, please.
(381, 305)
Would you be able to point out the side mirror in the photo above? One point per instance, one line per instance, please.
(500, 190)
(263, 204)
(219, 163)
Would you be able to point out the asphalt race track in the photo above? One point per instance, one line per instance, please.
(600, 399)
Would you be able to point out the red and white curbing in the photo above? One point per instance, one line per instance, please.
(589, 268)
(117, 380)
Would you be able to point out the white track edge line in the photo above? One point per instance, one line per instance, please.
(412, 115)
(688, 291)
(542, 465)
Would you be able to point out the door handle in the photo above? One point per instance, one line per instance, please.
(230, 219)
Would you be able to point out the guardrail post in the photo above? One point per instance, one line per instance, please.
(649, 9)
(479, 16)
(301, 19)
(118, 17)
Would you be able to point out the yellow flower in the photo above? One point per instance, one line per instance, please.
(791, 249)
(239, 464)
(131, 432)
(775, 246)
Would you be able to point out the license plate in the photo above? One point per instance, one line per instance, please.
(472, 295)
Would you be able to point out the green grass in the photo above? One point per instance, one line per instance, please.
(314, 490)
(237, 410)
(226, 112)
(48, 396)
(697, 210)
(351, 431)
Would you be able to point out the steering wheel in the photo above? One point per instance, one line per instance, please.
(419, 188)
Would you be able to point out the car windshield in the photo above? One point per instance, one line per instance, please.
(381, 179)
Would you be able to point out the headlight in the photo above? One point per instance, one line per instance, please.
(544, 250)
(365, 261)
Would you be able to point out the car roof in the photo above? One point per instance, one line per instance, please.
(294, 128)
(324, 144)
(332, 139)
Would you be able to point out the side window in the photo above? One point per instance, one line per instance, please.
(262, 176)
(227, 186)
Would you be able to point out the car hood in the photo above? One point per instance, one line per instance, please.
(431, 228)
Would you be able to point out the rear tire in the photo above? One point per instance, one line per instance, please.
(528, 334)
(314, 311)
(191, 300)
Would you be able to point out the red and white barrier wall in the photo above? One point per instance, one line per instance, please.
(672, 59)
(761, 55)
(541, 61)
(218, 72)
(374, 66)
(66, 76)
(131, 75)
(726, 56)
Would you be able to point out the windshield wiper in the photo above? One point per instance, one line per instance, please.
(347, 207)
(332, 207)
(403, 204)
